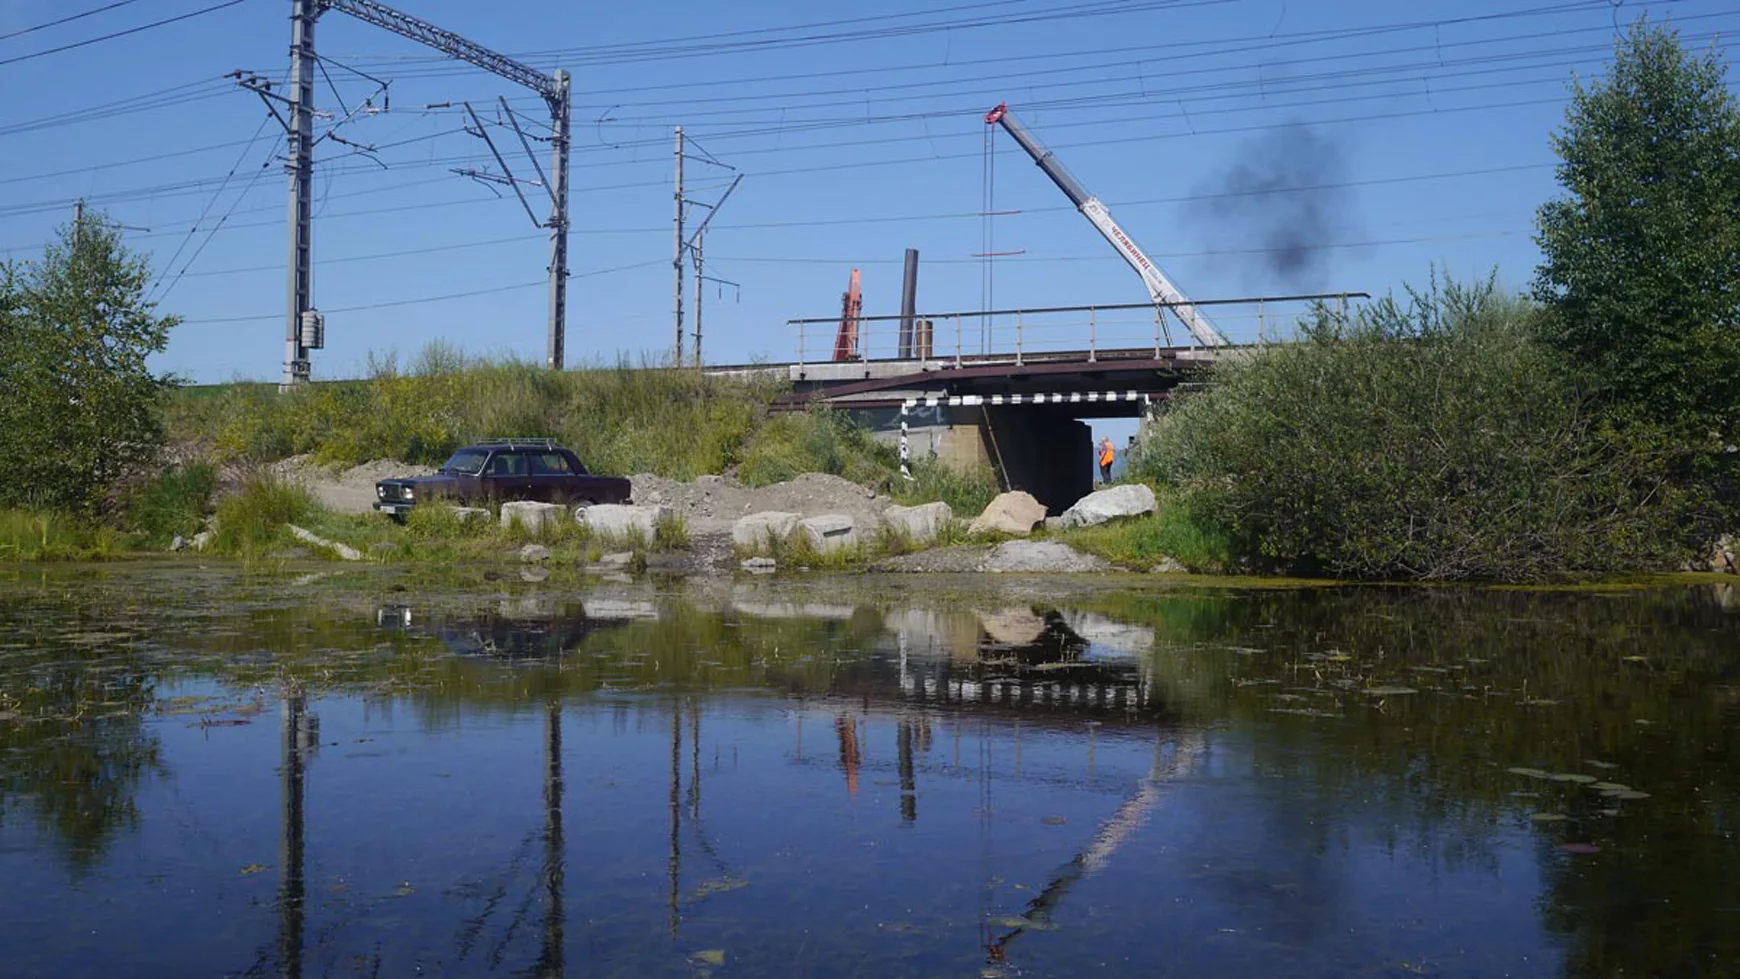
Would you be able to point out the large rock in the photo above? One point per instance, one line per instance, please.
(344, 551)
(830, 532)
(622, 522)
(919, 524)
(536, 518)
(201, 540)
(1126, 500)
(1040, 557)
(760, 530)
(534, 554)
(465, 514)
(1009, 513)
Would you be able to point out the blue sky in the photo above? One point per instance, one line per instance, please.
(858, 129)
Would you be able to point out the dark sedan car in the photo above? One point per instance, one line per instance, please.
(503, 469)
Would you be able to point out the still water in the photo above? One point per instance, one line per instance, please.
(212, 772)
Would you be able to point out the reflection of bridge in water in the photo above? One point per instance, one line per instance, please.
(1006, 669)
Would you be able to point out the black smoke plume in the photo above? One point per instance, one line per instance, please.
(1275, 207)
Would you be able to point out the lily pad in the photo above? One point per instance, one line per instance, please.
(1388, 691)
(1530, 772)
(1054, 820)
(404, 890)
(251, 869)
(1548, 817)
(1576, 777)
(1628, 794)
(712, 956)
(1610, 787)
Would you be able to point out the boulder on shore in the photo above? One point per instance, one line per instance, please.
(1125, 500)
(1010, 513)
(622, 521)
(1040, 557)
(920, 525)
(830, 532)
(535, 517)
(759, 530)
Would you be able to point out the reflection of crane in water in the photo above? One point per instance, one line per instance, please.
(1098, 853)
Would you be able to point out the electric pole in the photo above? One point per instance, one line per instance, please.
(78, 222)
(695, 245)
(677, 264)
(304, 329)
(300, 130)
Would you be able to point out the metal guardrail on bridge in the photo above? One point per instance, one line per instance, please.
(1019, 336)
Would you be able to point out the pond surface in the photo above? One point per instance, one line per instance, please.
(211, 772)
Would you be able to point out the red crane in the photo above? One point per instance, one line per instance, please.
(851, 305)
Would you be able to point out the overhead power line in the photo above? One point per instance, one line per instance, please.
(434, 299)
(65, 20)
(115, 34)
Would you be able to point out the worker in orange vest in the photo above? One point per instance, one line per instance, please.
(1106, 457)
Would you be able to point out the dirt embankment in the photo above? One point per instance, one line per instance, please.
(708, 505)
(712, 504)
(344, 490)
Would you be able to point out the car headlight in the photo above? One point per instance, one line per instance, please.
(381, 491)
(410, 494)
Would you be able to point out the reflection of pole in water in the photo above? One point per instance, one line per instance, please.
(908, 774)
(676, 862)
(848, 732)
(298, 737)
(551, 957)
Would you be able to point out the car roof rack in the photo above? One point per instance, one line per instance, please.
(517, 443)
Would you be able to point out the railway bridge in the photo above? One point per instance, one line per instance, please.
(1012, 388)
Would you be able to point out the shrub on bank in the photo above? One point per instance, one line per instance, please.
(1432, 439)
(175, 502)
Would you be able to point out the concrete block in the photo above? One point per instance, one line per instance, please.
(830, 532)
(536, 518)
(755, 531)
(622, 521)
(919, 524)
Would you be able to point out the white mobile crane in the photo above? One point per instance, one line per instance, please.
(1160, 288)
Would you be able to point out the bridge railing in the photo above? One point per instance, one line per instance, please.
(1057, 332)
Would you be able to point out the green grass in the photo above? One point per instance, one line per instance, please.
(620, 419)
(45, 536)
(1172, 531)
(966, 491)
(251, 521)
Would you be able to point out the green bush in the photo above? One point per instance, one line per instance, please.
(174, 502)
(253, 518)
(1428, 440)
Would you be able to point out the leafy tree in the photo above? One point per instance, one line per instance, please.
(1432, 439)
(1643, 251)
(79, 405)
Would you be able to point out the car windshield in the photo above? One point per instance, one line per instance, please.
(466, 462)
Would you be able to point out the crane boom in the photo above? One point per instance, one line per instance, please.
(1160, 289)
